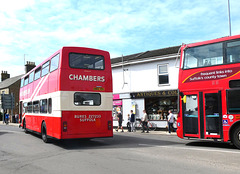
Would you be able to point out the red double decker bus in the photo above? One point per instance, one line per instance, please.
(69, 95)
(209, 88)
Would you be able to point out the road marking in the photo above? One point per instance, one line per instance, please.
(192, 148)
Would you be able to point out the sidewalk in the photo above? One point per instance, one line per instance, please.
(156, 132)
(10, 124)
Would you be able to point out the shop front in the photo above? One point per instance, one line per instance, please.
(157, 105)
(117, 106)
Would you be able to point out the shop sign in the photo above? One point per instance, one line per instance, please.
(218, 74)
(116, 96)
(117, 102)
(154, 94)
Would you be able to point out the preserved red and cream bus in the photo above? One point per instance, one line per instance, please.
(209, 88)
(69, 95)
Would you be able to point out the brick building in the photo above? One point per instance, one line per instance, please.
(11, 86)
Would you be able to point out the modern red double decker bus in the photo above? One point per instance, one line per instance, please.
(209, 88)
(69, 95)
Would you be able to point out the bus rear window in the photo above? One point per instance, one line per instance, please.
(87, 99)
(86, 61)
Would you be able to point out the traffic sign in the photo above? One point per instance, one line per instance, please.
(7, 101)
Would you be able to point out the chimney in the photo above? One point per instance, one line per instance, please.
(29, 66)
(4, 75)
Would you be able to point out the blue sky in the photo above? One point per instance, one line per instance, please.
(38, 28)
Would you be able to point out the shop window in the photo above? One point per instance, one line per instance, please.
(163, 75)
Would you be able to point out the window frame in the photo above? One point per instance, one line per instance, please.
(163, 74)
(227, 99)
(53, 58)
(43, 110)
(100, 99)
(34, 103)
(49, 105)
(45, 68)
(30, 80)
(37, 70)
(224, 54)
(89, 55)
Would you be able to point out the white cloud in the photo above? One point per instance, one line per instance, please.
(39, 28)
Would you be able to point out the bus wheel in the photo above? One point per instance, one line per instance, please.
(44, 133)
(236, 137)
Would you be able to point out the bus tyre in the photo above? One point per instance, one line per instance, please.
(44, 133)
(236, 137)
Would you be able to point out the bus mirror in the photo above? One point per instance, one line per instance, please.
(184, 99)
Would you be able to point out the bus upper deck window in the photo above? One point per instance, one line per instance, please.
(86, 61)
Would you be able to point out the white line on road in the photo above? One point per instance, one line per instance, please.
(192, 148)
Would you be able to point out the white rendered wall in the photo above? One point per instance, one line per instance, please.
(143, 77)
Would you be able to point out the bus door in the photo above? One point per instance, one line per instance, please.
(202, 114)
(191, 117)
(212, 114)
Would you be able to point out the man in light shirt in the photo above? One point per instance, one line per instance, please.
(171, 120)
(145, 122)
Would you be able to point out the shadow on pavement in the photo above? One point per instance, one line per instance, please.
(212, 144)
(118, 141)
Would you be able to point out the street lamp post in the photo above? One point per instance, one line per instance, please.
(229, 18)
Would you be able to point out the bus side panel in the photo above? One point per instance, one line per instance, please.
(87, 124)
(53, 81)
(53, 124)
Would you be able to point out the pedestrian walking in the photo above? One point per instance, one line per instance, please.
(128, 123)
(16, 118)
(119, 121)
(171, 120)
(6, 118)
(145, 122)
(132, 121)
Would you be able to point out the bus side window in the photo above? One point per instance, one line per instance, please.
(45, 68)
(233, 102)
(54, 63)
(29, 107)
(25, 107)
(36, 107)
(49, 105)
(43, 106)
(25, 80)
(31, 75)
(37, 73)
(22, 83)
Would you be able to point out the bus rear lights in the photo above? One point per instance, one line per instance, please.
(109, 125)
(64, 126)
